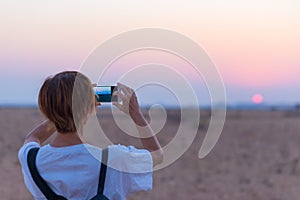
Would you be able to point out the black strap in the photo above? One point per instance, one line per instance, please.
(43, 186)
(39, 181)
(102, 175)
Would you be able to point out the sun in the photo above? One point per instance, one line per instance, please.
(257, 99)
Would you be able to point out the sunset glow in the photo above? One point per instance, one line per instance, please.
(257, 99)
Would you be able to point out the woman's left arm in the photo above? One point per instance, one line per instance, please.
(41, 133)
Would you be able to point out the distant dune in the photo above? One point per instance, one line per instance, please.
(256, 158)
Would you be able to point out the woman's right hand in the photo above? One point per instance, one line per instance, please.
(131, 107)
(129, 104)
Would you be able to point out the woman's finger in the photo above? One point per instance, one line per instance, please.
(125, 89)
(120, 95)
(118, 105)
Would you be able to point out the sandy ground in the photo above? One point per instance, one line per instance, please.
(256, 158)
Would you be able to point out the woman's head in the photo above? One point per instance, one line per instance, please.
(66, 99)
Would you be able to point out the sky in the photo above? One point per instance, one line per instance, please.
(255, 44)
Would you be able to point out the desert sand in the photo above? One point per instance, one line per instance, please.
(256, 158)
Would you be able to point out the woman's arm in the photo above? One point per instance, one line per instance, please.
(41, 133)
(148, 138)
(130, 106)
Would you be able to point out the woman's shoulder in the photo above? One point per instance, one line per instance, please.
(127, 149)
(129, 159)
(23, 151)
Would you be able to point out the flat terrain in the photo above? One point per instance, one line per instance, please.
(257, 157)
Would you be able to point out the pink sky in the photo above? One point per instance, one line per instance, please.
(255, 45)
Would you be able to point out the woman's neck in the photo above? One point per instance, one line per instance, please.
(65, 139)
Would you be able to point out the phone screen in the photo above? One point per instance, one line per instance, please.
(104, 93)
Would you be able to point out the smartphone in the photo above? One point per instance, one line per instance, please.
(104, 93)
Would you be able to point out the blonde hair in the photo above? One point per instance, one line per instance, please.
(66, 99)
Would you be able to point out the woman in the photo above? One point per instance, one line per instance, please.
(66, 163)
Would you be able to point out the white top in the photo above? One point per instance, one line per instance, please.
(73, 171)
